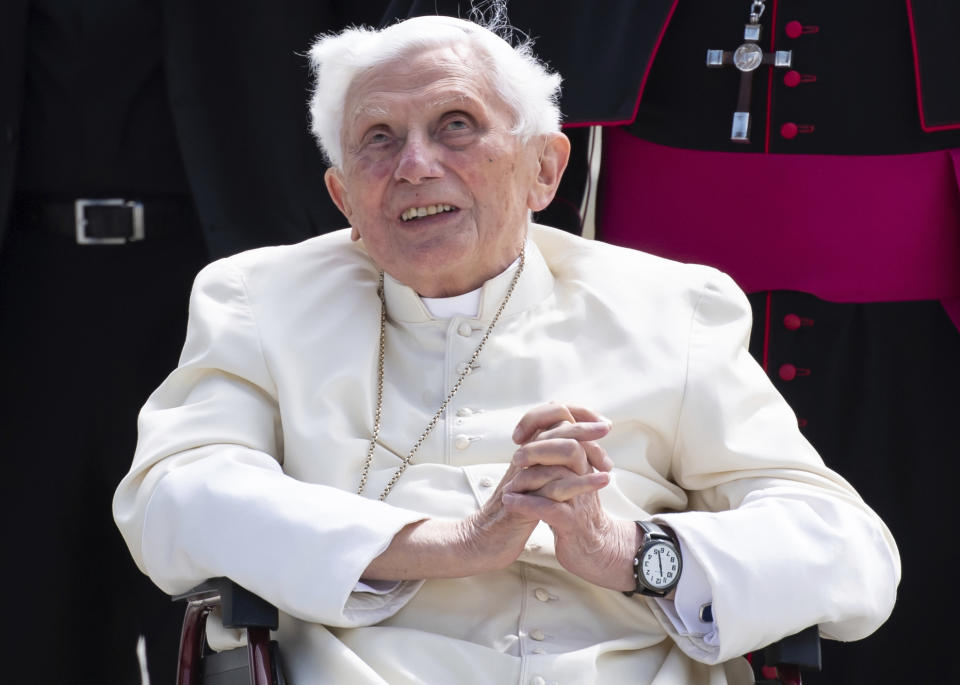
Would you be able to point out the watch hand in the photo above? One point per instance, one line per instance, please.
(660, 561)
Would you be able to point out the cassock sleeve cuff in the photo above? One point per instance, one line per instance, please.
(684, 610)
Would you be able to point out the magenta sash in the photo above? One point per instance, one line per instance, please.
(844, 228)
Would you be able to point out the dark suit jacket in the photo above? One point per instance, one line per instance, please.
(238, 91)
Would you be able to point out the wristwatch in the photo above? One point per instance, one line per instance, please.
(657, 565)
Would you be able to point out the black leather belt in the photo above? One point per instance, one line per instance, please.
(110, 221)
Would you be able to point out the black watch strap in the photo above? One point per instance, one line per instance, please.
(653, 531)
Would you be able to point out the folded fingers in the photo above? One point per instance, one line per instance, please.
(579, 457)
(557, 483)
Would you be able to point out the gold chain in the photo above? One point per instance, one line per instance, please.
(453, 391)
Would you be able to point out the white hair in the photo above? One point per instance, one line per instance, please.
(524, 84)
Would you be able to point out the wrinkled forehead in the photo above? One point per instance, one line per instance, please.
(437, 75)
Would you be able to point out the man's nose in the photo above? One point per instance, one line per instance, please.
(418, 161)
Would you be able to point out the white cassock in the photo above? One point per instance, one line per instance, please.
(250, 454)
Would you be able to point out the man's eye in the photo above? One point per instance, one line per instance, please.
(378, 138)
(457, 125)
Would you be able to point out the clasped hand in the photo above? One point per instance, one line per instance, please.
(555, 477)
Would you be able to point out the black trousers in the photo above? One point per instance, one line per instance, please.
(86, 333)
(876, 388)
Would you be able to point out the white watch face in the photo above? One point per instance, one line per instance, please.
(660, 565)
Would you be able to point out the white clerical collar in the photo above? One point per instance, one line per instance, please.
(467, 304)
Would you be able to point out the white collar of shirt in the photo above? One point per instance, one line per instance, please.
(466, 305)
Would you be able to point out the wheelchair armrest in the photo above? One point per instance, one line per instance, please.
(239, 608)
(784, 660)
(801, 649)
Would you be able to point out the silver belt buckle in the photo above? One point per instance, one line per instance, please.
(136, 221)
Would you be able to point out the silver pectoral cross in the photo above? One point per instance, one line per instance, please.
(747, 58)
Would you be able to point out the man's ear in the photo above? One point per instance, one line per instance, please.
(338, 193)
(553, 160)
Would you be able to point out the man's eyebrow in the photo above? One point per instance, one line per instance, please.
(370, 110)
(452, 99)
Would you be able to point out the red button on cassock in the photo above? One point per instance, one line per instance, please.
(789, 130)
(791, 79)
(793, 29)
(792, 322)
(788, 372)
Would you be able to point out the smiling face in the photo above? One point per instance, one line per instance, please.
(433, 180)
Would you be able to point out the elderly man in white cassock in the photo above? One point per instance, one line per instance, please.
(456, 447)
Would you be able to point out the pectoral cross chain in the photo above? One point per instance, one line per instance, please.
(747, 58)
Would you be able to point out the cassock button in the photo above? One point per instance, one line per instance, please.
(789, 130)
(791, 322)
(537, 680)
(794, 29)
(486, 482)
(461, 442)
(537, 650)
(465, 329)
(788, 372)
(464, 411)
(537, 634)
(541, 594)
(791, 79)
